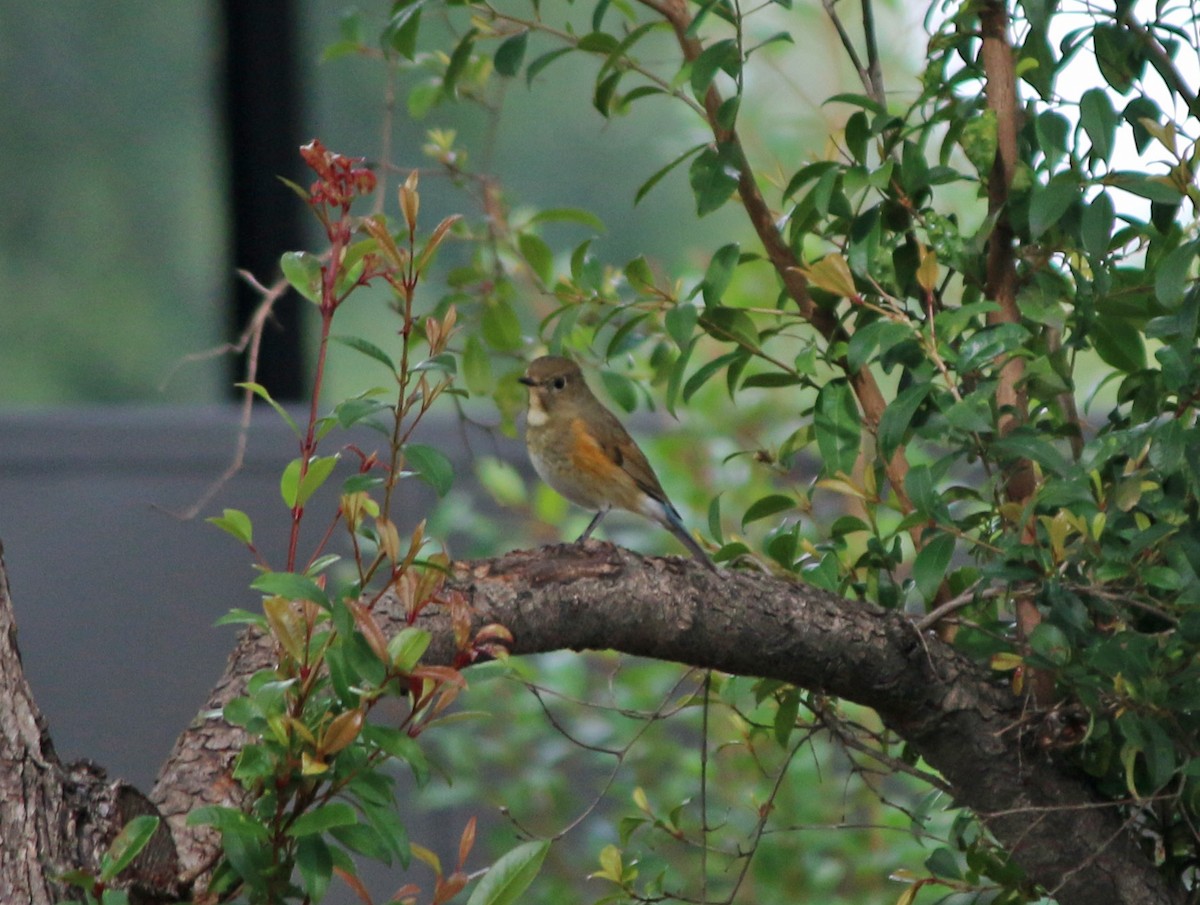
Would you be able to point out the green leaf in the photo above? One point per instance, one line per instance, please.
(837, 427)
(400, 745)
(720, 273)
(458, 62)
(1118, 56)
(785, 717)
(680, 322)
(477, 367)
(402, 28)
(501, 327)
(569, 215)
(1050, 642)
(226, 820)
(943, 863)
(297, 490)
(236, 523)
(705, 373)
(510, 54)
(931, 565)
(658, 175)
(767, 506)
(368, 349)
(730, 325)
(502, 480)
(292, 586)
(1050, 202)
(882, 333)
(857, 100)
(315, 863)
(713, 177)
(1171, 275)
(407, 646)
(261, 392)
(1026, 443)
(627, 337)
(1119, 344)
(714, 520)
(1099, 120)
(543, 61)
(1052, 130)
(508, 878)
(1097, 224)
(622, 390)
(431, 466)
(1156, 188)
(606, 90)
(322, 818)
(897, 417)
(127, 845)
(979, 139)
(598, 42)
(924, 495)
(718, 56)
(538, 256)
(303, 272)
(364, 839)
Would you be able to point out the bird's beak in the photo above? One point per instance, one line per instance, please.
(528, 381)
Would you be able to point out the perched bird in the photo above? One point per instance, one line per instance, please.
(580, 449)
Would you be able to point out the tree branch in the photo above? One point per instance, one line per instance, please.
(959, 718)
(56, 817)
(782, 258)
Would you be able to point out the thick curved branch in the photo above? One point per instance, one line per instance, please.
(956, 716)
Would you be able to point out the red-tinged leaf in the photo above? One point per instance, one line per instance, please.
(435, 240)
(342, 732)
(449, 887)
(466, 843)
(494, 632)
(443, 674)
(370, 629)
(421, 853)
(355, 884)
(408, 889)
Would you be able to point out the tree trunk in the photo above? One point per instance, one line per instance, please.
(963, 721)
(56, 818)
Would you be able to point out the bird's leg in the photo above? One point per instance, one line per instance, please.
(587, 532)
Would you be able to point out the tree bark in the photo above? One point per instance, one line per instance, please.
(56, 817)
(964, 722)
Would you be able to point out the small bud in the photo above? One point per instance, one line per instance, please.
(410, 201)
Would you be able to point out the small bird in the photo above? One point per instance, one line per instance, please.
(580, 449)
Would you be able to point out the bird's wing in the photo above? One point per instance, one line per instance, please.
(626, 454)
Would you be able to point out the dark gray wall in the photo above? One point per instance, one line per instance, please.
(115, 595)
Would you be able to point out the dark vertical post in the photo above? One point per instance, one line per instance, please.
(262, 103)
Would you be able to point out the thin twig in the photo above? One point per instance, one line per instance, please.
(250, 342)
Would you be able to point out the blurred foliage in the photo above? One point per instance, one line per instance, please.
(883, 371)
(111, 247)
(882, 368)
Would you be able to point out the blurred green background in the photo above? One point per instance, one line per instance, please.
(114, 251)
(114, 247)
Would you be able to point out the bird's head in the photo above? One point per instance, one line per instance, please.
(556, 386)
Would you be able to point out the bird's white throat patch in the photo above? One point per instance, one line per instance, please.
(537, 414)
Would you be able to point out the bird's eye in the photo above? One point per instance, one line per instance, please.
(560, 382)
